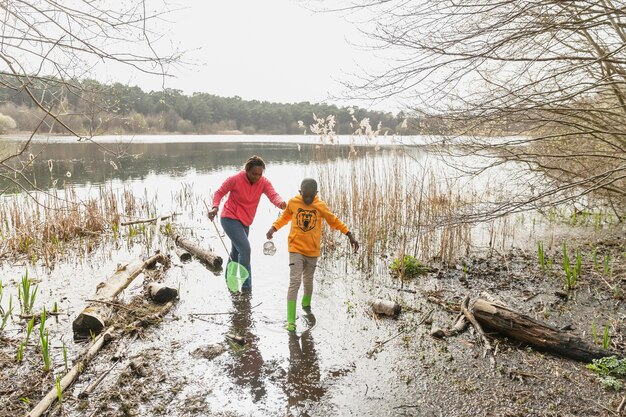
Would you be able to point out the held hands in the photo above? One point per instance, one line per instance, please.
(212, 213)
(353, 242)
(270, 233)
(283, 206)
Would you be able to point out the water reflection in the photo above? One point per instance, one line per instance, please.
(247, 366)
(303, 376)
(89, 164)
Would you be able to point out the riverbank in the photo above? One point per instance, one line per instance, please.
(411, 373)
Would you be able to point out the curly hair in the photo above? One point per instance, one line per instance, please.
(254, 161)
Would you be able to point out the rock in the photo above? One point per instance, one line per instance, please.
(137, 366)
(209, 352)
(437, 332)
(387, 308)
(562, 295)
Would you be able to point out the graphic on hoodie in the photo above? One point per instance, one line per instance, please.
(306, 219)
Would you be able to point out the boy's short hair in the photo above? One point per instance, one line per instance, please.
(309, 183)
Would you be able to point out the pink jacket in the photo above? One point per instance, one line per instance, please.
(244, 197)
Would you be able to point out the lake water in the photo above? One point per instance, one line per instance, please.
(320, 373)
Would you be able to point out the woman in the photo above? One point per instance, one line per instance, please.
(245, 190)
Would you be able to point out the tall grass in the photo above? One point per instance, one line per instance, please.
(45, 342)
(606, 338)
(39, 226)
(541, 256)
(396, 209)
(29, 328)
(57, 384)
(607, 269)
(5, 314)
(572, 271)
(26, 294)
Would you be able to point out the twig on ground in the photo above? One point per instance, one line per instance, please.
(470, 316)
(378, 345)
(109, 303)
(620, 407)
(605, 408)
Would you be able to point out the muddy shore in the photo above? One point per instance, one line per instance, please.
(335, 369)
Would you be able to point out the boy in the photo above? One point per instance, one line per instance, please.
(306, 212)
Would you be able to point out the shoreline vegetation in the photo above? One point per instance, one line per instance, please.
(96, 109)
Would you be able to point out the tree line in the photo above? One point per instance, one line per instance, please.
(90, 108)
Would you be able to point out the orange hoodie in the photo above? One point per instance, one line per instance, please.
(306, 224)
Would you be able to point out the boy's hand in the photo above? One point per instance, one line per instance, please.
(353, 242)
(270, 233)
(283, 206)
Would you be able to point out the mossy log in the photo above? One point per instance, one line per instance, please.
(94, 317)
(542, 336)
(205, 255)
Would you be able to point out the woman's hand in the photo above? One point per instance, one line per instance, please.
(283, 206)
(212, 213)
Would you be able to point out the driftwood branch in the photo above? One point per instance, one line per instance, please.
(73, 373)
(520, 327)
(460, 324)
(620, 407)
(93, 319)
(94, 384)
(207, 256)
(150, 220)
(470, 316)
(93, 350)
(160, 293)
(379, 344)
(152, 317)
(183, 255)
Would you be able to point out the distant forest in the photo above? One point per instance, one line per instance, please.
(94, 108)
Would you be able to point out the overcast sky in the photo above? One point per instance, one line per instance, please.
(275, 50)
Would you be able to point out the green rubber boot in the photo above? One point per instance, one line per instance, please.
(291, 315)
(306, 301)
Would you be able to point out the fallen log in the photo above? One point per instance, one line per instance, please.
(94, 317)
(469, 314)
(542, 336)
(73, 373)
(161, 293)
(207, 256)
(183, 255)
(79, 367)
(150, 220)
(460, 324)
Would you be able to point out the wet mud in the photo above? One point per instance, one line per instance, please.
(222, 354)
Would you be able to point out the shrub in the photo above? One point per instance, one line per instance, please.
(6, 123)
(184, 127)
(610, 371)
(408, 266)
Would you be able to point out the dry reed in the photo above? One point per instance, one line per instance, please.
(39, 226)
(396, 208)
